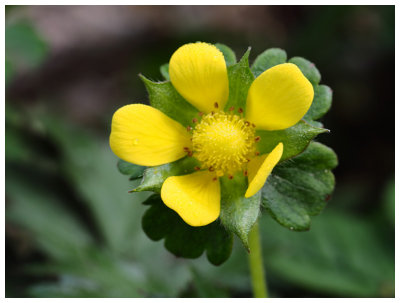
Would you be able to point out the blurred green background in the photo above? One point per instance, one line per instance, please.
(72, 230)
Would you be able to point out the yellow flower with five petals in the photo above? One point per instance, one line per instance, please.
(224, 142)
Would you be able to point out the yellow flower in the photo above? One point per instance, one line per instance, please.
(224, 142)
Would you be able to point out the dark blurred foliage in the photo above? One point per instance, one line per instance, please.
(72, 229)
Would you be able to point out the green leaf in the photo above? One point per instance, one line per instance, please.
(238, 214)
(206, 288)
(9, 71)
(219, 244)
(184, 240)
(300, 188)
(126, 168)
(389, 202)
(154, 177)
(308, 69)
(37, 208)
(82, 157)
(115, 262)
(229, 54)
(240, 79)
(16, 147)
(165, 98)
(295, 139)
(321, 104)
(268, 59)
(342, 255)
(164, 70)
(25, 49)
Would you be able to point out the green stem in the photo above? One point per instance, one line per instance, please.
(256, 264)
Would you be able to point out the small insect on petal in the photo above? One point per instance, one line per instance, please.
(188, 128)
(258, 138)
(245, 173)
(216, 104)
(197, 168)
(230, 177)
(232, 108)
(195, 120)
(240, 110)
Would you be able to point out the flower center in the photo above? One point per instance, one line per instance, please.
(223, 142)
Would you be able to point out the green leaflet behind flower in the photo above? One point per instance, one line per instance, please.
(160, 222)
(300, 188)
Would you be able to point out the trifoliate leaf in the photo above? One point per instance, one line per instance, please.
(308, 69)
(160, 222)
(301, 187)
(321, 104)
(164, 70)
(154, 177)
(268, 59)
(240, 79)
(229, 54)
(165, 98)
(238, 214)
(295, 139)
(126, 168)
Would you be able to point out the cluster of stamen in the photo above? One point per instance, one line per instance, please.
(223, 142)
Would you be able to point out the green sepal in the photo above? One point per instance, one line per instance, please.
(160, 222)
(321, 104)
(165, 98)
(300, 188)
(308, 69)
(238, 214)
(133, 170)
(268, 59)
(314, 123)
(240, 79)
(164, 70)
(154, 177)
(295, 139)
(229, 54)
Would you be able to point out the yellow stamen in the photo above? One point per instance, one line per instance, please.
(223, 142)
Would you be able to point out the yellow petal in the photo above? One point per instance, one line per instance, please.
(279, 97)
(195, 197)
(259, 169)
(143, 135)
(198, 72)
